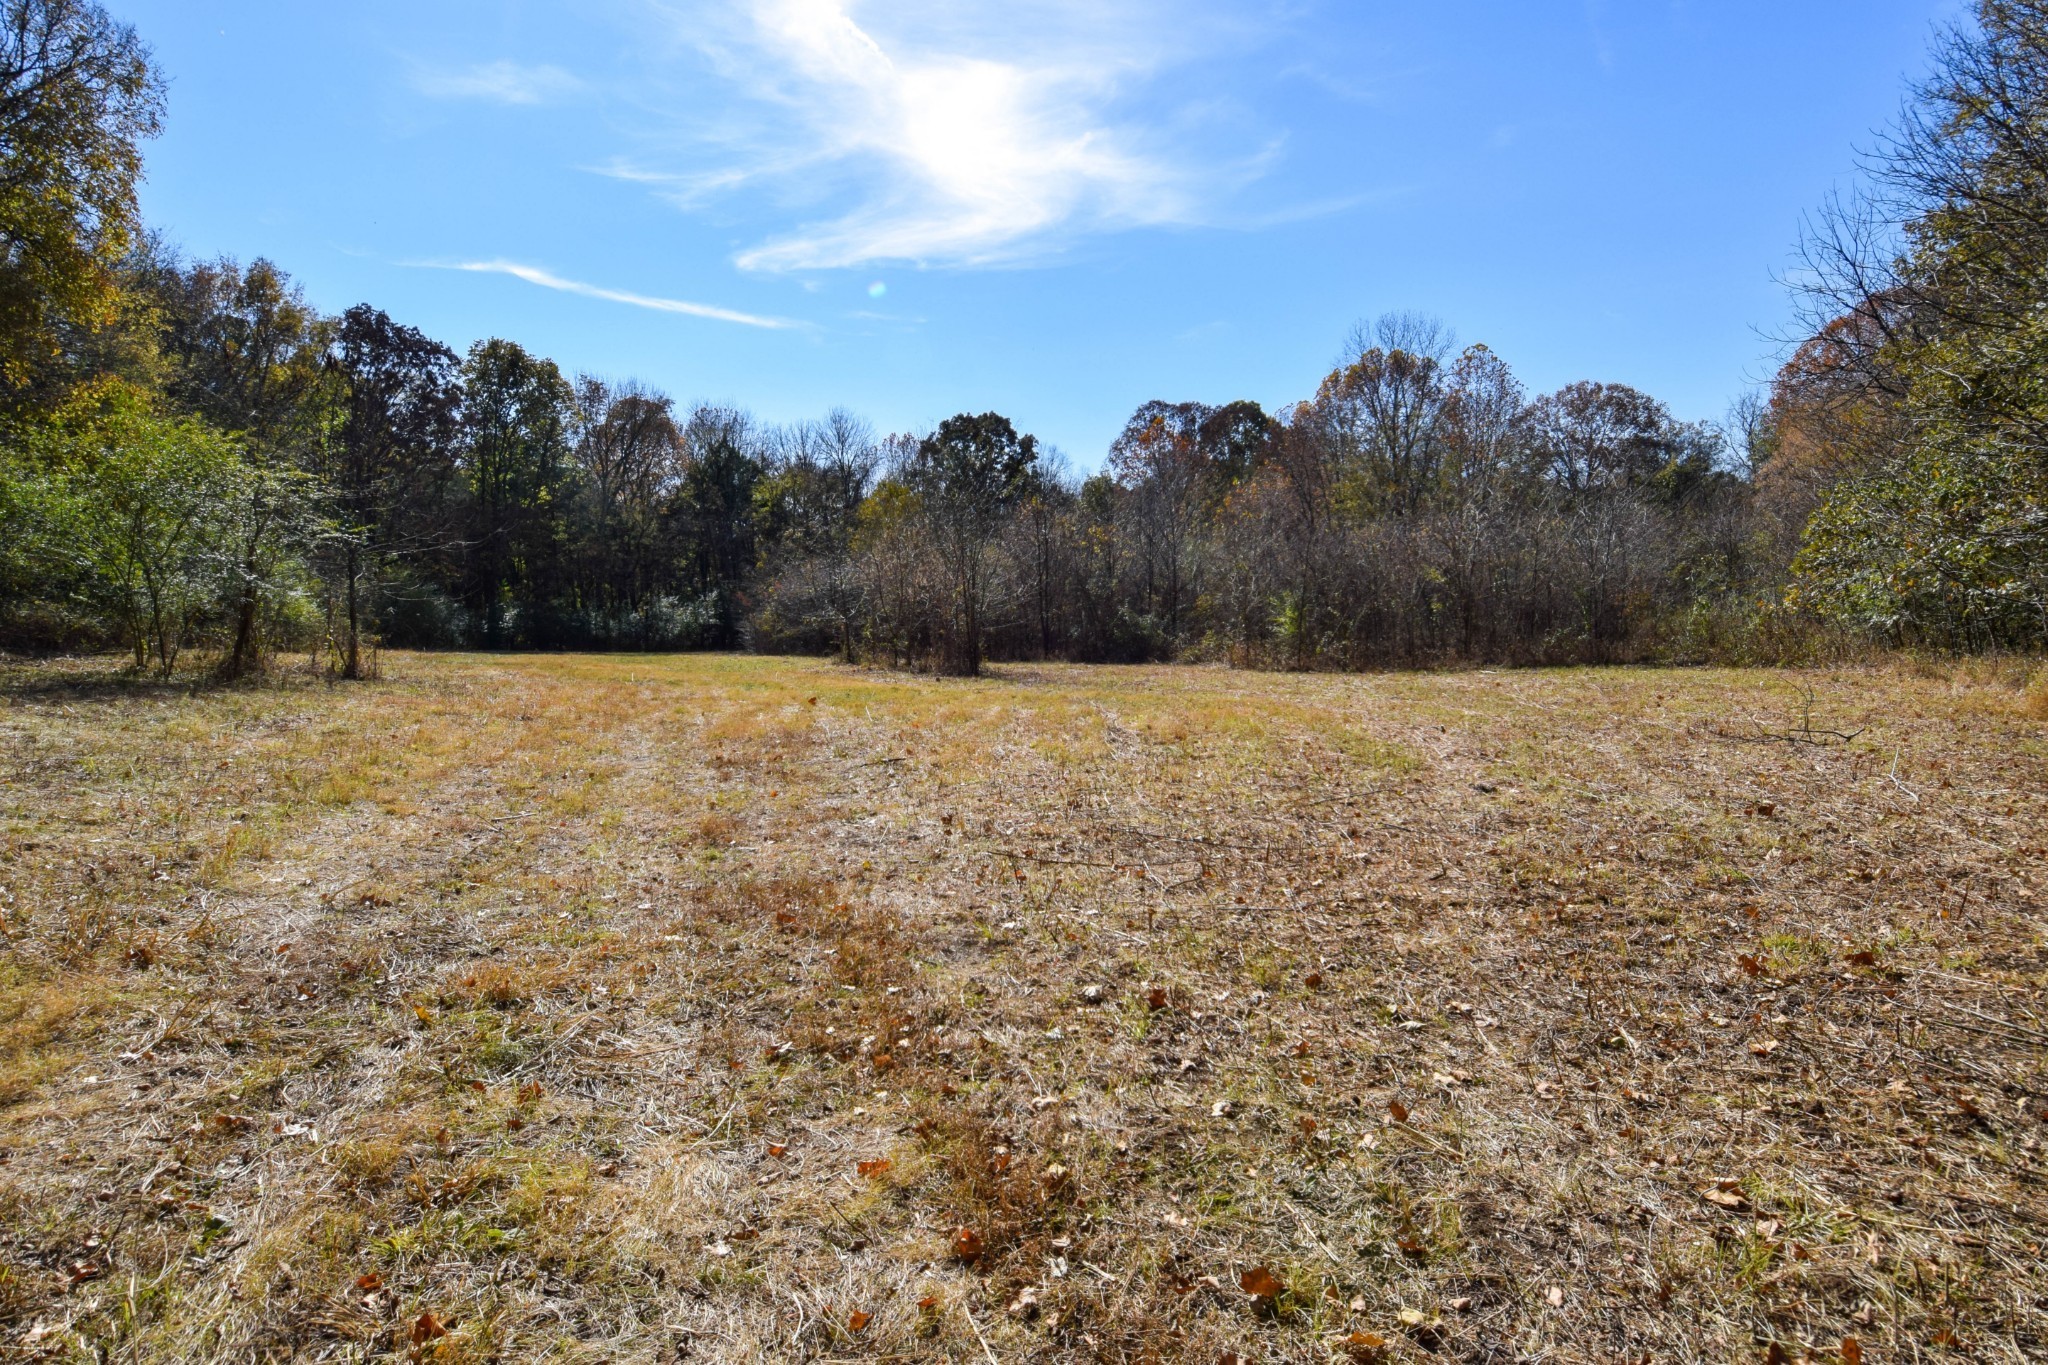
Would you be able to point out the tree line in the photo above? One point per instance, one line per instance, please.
(1910, 429)
(193, 458)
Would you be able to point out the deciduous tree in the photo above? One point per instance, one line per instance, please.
(79, 94)
(967, 477)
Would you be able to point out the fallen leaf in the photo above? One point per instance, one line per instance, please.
(1726, 1198)
(1555, 1298)
(370, 1283)
(1764, 1047)
(427, 1328)
(870, 1169)
(967, 1244)
(927, 1303)
(1314, 981)
(1865, 958)
(1398, 1110)
(1751, 966)
(1366, 1347)
(1156, 998)
(1852, 1351)
(776, 1149)
(1260, 1283)
(857, 1320)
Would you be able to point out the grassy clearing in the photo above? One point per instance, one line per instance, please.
(735, 1009)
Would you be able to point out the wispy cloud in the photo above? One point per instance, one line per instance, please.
(497, 82)
(958, 132)
(548, 280)
(687, 190)
(1603, 46)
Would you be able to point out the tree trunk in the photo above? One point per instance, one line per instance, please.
(242, 658)
(970, 644)
(352, 653)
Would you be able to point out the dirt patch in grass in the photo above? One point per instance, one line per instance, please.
(735, 1009)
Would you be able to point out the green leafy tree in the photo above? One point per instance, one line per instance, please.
(245, 352)
(818, 476)
(79, 95)
(146, 510)
(968, 477)
(389, 467)
(27, 569)
(516, 409)
(718, 505)
(1590, 438)
(1933, 295)
(629, 453)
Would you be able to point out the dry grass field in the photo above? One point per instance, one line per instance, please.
(735, 1009)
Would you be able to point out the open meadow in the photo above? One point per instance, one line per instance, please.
(728, 1009)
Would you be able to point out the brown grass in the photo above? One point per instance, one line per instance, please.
(740, 1009)
(2036, 703)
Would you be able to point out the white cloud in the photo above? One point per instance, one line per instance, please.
(958, 132)
(546, 280)
(498, 82)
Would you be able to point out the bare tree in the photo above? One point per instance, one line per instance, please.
(1380, 411)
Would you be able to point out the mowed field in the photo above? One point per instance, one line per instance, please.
(733, 1009)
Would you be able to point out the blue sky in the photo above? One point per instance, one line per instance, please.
(1056, 209)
